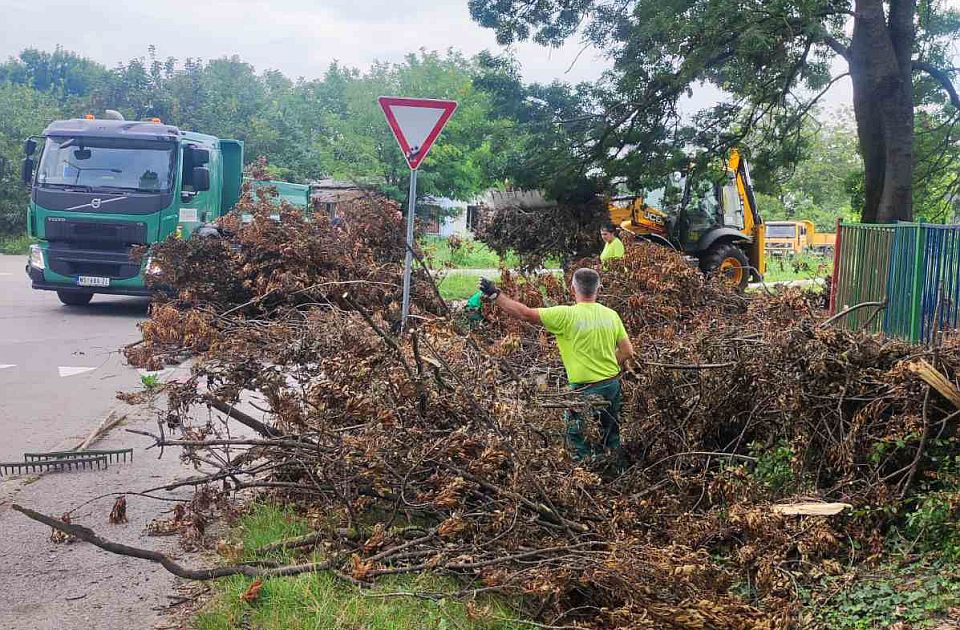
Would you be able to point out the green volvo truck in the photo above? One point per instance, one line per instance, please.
(100, 187)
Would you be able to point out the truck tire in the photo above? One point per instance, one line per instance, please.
(729, 261)
(75, 298)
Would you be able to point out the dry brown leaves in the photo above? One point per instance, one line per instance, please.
(118, 514)
(57, 536)
(450, 433)
(253, 591)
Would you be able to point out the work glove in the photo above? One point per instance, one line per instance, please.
(489, 289)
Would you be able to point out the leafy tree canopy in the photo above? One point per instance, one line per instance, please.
(774, 58)
(327, 127)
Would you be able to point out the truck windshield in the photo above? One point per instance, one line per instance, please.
(775, 230)
(106, 163)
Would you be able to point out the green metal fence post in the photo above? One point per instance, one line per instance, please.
(916, 295)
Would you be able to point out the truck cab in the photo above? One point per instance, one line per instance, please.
(101, 187)
(789, 237)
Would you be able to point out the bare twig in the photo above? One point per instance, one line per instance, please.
(851, 309)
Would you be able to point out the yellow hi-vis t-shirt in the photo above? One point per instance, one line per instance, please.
(613, 249)
(587, 335)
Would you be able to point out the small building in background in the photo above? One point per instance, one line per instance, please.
(326, 194)
(445, 217)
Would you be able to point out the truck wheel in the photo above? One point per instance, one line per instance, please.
(729, 261)
(75, 298)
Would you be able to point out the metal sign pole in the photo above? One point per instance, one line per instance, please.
(408, 260)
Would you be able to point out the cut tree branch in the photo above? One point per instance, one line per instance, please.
(242, 418)
(89, 536)
(851, 309)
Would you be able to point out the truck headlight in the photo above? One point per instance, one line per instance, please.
(36, 257)
(152, 268)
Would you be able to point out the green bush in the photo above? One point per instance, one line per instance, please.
(933, 522)
(463, 252)
(774, 466)
(15, 244)
(23, 112)
(910, 597)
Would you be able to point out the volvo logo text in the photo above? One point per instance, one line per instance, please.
(96, 202)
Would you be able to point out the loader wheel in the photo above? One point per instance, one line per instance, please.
(75, 298)
(730, 262)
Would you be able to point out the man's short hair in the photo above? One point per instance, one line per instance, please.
(586, 282)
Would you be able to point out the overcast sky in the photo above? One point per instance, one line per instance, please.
(297, 37)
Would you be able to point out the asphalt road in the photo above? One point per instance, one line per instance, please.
(60, 370)
(60, 366)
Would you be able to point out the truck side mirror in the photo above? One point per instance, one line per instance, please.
(201, 178)
(29, 146)
(199, 156)
(26, 172)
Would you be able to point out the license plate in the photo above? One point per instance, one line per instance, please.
(93, 281)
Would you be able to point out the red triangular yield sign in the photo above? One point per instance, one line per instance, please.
(416, 123)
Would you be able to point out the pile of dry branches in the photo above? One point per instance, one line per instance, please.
(258, 268)
(566, 231)
(442, 451)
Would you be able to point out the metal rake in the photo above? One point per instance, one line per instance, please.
(60, 464)
(115, 455)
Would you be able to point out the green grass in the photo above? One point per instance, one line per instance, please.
(460, 286)
(471, 254)
(15, 244)
(322, 602)
(802, 267)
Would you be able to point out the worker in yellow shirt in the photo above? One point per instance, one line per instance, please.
(613, 246)
(593, 345)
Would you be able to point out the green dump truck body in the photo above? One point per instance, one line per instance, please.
(295, 194)
(103, 187)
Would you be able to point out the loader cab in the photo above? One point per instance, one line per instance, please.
(700, 212)
(711, 216)
(718, 222)
(710, 203)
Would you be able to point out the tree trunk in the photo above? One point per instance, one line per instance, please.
(881, 70)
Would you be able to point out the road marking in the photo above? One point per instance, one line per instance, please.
(73, 371)
(4, 366)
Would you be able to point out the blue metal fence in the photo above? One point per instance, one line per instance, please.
(939, 279)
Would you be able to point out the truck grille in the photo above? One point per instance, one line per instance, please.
(98, 232)
(67, 260)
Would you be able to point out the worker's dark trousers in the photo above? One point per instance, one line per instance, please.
(609, 421)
